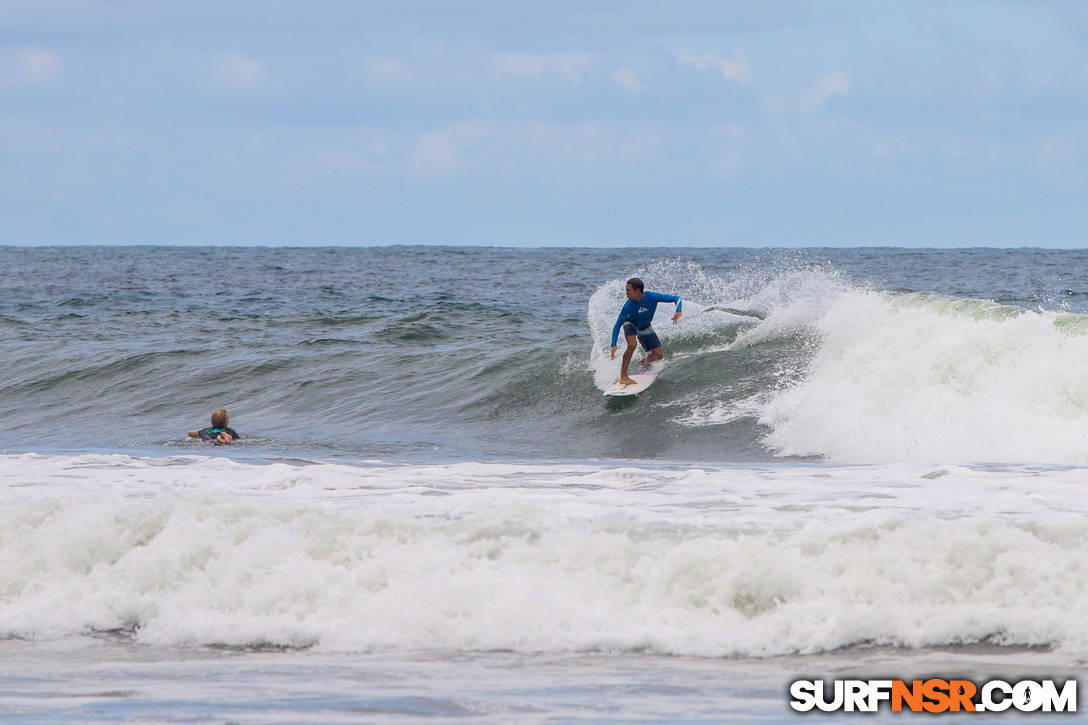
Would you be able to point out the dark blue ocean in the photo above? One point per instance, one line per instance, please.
(454, 352)
(855, 462)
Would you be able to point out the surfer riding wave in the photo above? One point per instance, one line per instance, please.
(635, 319)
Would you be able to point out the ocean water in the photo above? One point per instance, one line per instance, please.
(873, 466)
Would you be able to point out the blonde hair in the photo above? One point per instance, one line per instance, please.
(220, 419)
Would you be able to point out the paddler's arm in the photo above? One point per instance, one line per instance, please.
(194, 434)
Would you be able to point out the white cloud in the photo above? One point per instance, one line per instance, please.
(626, 80)
(33, 66)
(239, 71)
(514, 147)
(387, 71)
(833, 84)
(731, 70)
(533, 65)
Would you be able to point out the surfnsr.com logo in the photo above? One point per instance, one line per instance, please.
(934, 695)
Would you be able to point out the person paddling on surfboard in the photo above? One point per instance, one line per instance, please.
(220, 431)
(635, 317)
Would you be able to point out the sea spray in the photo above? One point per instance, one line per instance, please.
(917, 378)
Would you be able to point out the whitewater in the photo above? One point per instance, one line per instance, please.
(711, 562)
(856, 462)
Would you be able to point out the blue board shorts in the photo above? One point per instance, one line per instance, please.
(647, 338)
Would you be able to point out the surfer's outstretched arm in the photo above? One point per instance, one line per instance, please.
(677, 301)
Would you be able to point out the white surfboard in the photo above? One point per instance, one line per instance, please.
(643, 378)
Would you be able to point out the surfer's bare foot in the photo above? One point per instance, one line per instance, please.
(628, 381)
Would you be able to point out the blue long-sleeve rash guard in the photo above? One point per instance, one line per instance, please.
(641, 313)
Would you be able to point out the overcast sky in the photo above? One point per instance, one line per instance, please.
(573, 122)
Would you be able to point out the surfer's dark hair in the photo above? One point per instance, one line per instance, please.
(636, 283)
(219, 418)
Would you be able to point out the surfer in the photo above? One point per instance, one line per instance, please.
(635, 317)
(220, 431)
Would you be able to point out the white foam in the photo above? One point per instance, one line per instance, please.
(704, 561)
(912, 378)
